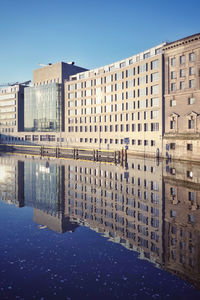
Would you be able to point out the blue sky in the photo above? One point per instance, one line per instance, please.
(92, 33)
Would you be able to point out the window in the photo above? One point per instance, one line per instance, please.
(172, 146)
(189, 174)
(173, 87)
(154, 64)
(191, 83)
(172, 103)
(146, 142)
(154, 102)
(182, 72)
(155, 89)
(139, 142)
(182, 85)
(147, 55)
(182, 59)
(153, 143)
(191, 101)
(191, 71)
(189, 147)
(173, 124)
(133, 142)
(191, 57)
(154, 114)
(173, 75)
(191, 124)
(173, 61)
(139, 127)
(154, 126)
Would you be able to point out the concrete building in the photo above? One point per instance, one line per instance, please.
(182, 98)
(11, 111)
(44, 104)
(117, 104)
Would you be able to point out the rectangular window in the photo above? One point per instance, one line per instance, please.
(191, 71)
(173, 87)
(191, 124)
(154, 64)
(182, 85)
(182, 59)
(154, 114)
(133, 142)
(191, 101)
(154, 102)
(155, 89)
(173, 75)
(154, 126)
(172, 103)
(182, 72)
(191, 83)
(191, 57)
(172, 146)
(189, 147)
(173, 61)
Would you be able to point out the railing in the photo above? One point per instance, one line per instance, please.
(110, 156)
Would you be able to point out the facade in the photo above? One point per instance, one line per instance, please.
(11, 111)
(118, 104)
(148, 103)
(182, 98)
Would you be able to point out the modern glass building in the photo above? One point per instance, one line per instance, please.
(43, 108)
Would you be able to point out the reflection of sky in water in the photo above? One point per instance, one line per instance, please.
(39, 264)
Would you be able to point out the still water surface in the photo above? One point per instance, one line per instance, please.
(84, 230)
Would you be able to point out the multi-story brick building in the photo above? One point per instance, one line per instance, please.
(182, 98)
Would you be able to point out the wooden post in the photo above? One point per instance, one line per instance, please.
(94, 155)
(97, 155)
(122, 157)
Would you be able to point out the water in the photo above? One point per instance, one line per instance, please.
(84, 230)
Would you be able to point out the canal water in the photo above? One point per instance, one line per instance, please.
(73, 229)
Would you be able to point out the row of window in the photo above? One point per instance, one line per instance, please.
(182, 59)
(115, 128)
(182, 85)
(153, 114)
(190, 101)
(190, 124)
(182, 72)
(121, 74)
(111, 87)
(154, 89)
(189, 146)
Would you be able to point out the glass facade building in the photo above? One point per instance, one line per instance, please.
(43, 108)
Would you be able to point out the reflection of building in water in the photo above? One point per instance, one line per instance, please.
(124, 205)
(44, 185)
(12, 180)
(56, 223)
(44, 190)
(182, 222)
(134, 207)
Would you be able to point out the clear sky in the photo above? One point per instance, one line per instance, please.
(92, 33)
